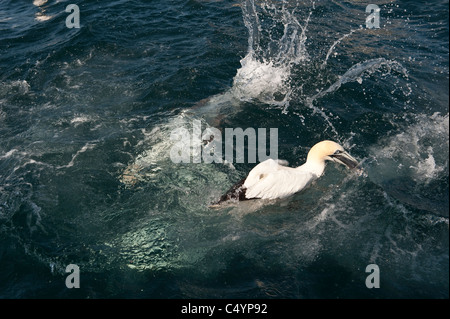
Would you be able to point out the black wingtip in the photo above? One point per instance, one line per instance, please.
(237, 193)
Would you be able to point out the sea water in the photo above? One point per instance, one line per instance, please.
(86, 177)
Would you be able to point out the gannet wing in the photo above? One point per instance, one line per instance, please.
(279, 183)
(239, 189)
(262, 169)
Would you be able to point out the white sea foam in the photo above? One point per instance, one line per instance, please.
(8, 154)
(421, 151)
(39, 3)
(22, 86)
(41, 16)
(80, 119)
(157, 143)
(86, 147)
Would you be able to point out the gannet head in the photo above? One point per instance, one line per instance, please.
(331, 151)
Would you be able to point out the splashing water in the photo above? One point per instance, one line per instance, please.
(333, 46)
(356, 72)
(266, 69)
(415, 161)
(277, 45)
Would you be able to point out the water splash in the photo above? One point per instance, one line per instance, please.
(276, 43)
(277, 48)
(265, 71)
(357, 71)
(333, 46)
(421, 151)
(412, 165)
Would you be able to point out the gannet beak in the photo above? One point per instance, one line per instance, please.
(345, 159)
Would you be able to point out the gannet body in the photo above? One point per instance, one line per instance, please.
(273, 179)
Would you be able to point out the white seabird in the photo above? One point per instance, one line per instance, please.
(272, 179)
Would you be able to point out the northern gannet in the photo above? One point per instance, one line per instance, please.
(272, 179)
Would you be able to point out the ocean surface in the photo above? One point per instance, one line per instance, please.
(87, 115)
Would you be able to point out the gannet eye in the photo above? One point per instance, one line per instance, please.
(337, 152)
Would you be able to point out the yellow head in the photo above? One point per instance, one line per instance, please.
(332, 151)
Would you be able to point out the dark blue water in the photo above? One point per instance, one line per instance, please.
(86, 178)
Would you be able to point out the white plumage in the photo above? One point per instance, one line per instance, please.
(269, 180)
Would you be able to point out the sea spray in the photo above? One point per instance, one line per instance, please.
(357, 71)
(265, 71)
(414, 160)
